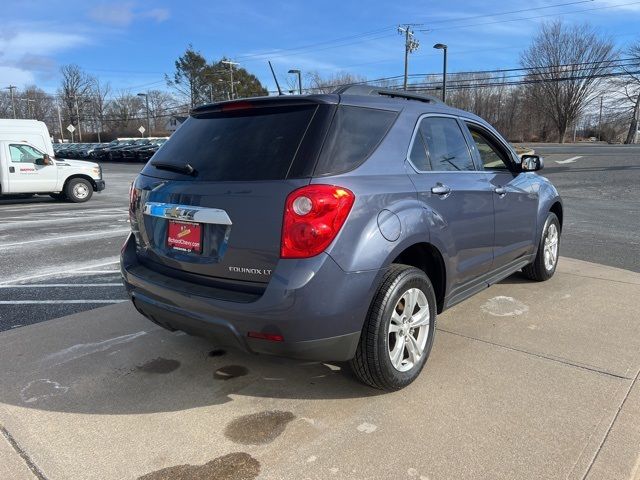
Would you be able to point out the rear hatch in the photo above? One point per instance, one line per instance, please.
(209, 206)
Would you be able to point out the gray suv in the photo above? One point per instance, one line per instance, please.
(333, 227)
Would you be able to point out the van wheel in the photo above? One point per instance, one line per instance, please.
(544, 266)
(78, 190)
(58, 196)
(398, 332)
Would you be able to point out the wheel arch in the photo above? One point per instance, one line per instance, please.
(426, 257)
(91, 181)
(557, 209)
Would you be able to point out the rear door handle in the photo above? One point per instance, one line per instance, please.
(500, 190)
(441, 189)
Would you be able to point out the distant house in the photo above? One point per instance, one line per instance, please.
(173, 123)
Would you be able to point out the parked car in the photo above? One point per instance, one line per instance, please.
(143, 154)
(333, 227)
(129, 153)
(102, 153)
(115, 153)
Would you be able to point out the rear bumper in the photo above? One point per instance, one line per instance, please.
(315, 306)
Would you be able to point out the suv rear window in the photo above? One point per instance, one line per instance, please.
(247, 144)
(354, 133)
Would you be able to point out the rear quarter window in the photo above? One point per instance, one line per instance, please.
(354, 134)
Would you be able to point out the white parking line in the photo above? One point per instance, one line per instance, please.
(70, 272)
(65, 285)
(46, 302)
(108, 233)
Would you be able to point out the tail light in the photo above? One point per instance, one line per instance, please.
(313, 216)
(133, 200)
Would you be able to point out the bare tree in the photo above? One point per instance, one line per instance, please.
(319, 84)
(99, 94)
(160, 104)
(75, 88)
(125, 111)
(567, 63)
(630, 84)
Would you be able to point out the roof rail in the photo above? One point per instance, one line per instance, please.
(384, 92)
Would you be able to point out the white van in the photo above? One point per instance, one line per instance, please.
(28, 166)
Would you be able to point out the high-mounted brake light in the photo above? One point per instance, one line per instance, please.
(227, 107)
(313, 216)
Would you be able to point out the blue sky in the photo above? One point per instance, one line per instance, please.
(132, 44)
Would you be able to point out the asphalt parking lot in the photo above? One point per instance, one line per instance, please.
(525, 380)
(61, 258)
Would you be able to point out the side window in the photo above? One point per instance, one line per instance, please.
(491, 155)
(354, 134)
(418, 154)
(23, 153)
(446, 145)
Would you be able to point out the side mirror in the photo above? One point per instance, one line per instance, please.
(531, 163)
(40, 161)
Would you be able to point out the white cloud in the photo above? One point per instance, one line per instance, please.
(157, 14)
(16, 76)
(115, 14)
(26, 50)
(123, 14)
(33, 40)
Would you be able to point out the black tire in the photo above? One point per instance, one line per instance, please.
(372, 363)
(537, 270)
(58, 196)
(75, 186)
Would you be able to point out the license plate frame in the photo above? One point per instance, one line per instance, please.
(177, 239)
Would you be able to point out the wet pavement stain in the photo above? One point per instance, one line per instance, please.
(217, 352)
(159, 365)
(234, 466)
(230, 371)
(258, 428)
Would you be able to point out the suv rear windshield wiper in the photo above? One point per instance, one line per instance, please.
(186, 168)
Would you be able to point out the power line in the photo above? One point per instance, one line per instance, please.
(607, 7)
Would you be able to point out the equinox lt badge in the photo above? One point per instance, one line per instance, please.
(252, 271)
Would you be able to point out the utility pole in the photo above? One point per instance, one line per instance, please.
(410, 46)
(231, 64)
(11, 88)
(146, 99)
(60, 123)
(600, 120)
(75, 98)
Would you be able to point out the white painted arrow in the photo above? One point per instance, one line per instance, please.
(568, 160)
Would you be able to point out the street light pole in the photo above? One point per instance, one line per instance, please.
(146, 98)
(299, 73)
(442, 46)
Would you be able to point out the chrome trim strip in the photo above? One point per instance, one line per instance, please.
(187, 213)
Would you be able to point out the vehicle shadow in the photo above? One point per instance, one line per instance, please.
(165, 372)
(515, 279)
(26, 199)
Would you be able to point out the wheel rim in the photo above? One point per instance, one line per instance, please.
(80, 191)
(408, 330)
(551, 247)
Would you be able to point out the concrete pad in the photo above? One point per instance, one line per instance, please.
(619, 457)
(107, 394)
(12, 464)
(585, 315)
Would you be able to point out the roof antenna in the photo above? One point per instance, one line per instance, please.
(275, 78)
